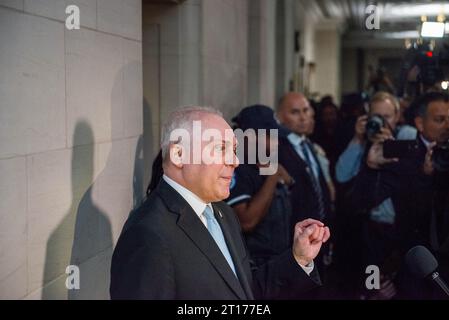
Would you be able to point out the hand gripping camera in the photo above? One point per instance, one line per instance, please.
(374, 124)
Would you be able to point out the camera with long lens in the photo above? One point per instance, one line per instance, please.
(440, 157)
(374, 125)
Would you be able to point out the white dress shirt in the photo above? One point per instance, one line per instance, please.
(192, 199)
(199, 205)
(425, 141)
(295, 141)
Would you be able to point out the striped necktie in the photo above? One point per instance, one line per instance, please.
(308, 158)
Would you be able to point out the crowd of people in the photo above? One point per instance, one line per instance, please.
(332, 169)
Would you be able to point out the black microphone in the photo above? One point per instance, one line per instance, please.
(423, 264)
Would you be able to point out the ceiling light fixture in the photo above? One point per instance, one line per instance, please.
(432, 29)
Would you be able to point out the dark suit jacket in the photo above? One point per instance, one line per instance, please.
(303, 197)
(416, 198)
(166, 252)
(410, 190)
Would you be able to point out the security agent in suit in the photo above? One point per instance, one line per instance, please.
(310, 196)
(184, 243)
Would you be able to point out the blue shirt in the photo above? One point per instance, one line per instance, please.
(348, 166)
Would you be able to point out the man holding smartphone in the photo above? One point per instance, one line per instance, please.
(385, 106)
(409, 182)
(382, 104)
(381, 124)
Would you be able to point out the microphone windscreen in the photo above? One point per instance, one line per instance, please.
(420, 261)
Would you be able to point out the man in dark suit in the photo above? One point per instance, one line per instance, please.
(310, 195)
(184, 243)
(410, 181)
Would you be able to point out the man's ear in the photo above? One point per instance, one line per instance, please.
(419, 123)
(278, 116)
(313, 112)
(176, 153)
(397, 116)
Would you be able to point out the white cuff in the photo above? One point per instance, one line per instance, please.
(308, 268)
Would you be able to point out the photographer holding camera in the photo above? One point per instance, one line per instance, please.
(417, 183)
(376, 222)
(379, 125)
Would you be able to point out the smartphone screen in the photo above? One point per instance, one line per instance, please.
(400, 148)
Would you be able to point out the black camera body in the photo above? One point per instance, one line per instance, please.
(374, 125)
(440, 157)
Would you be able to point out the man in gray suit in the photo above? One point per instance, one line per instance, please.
(184, 243)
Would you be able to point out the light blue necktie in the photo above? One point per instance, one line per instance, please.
(217, 234)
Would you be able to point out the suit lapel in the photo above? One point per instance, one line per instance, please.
(304, 165)
(315, 158)
(224, 224)
(294, 154)
(300, 161)
(194, 229)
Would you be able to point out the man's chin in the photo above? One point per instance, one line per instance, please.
(300, 131)
(224, 195)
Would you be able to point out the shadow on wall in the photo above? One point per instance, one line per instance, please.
(84, 237)
(142, 159)
(92, 243)
(148, 147)
(138, 184)
(85, 228)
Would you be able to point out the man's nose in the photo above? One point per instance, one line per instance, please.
(235, 161)
(302, 117)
